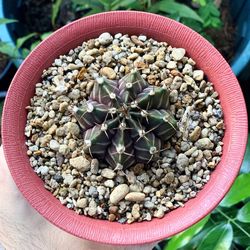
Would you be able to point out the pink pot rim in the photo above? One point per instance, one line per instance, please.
(160, 28)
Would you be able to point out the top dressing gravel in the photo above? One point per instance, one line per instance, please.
(143, 191)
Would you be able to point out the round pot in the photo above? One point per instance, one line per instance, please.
(162, 29)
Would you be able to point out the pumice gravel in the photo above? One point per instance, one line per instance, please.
(91, 187)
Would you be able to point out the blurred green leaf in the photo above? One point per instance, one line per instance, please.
(219, 238)
(7, 20)
(34, 44)
(25, 52)
(240, 237)
(245, 167)
(200, 2)
(238, 192)
(9, 50)
(55, 10)
(45, 35)
(172, 7)
(183, 238)
(244, 213)
(20, 41)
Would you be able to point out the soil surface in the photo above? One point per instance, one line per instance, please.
(36, 17)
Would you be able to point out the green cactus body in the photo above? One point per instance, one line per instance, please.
(126, 121)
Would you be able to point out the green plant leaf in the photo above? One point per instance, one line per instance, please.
(9, 50)
(25, 52)
(183, 238)
(34, 44)
(248, 248)
(200, 2)
(194, 242)
(20, 41)
(171, 7)
(238, 192)
(45, 35)
(7, 20)
(55, 10)
(219, 238)
(244, 213)
(245, 167)
(240, 237)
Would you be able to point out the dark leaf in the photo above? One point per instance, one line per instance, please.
(238, 192)
(20, 41)
(219, 238)
(183, 238)
(55, 10)
(244, 213)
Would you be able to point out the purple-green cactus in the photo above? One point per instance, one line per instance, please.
(126, 121)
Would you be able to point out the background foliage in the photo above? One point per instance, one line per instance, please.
(200, 15)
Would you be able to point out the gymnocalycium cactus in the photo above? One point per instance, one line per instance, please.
(125, 121)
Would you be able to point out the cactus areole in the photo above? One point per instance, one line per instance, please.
(125, 122)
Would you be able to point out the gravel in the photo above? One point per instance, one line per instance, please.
(54, 139)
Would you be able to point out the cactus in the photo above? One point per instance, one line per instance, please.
(125, 121)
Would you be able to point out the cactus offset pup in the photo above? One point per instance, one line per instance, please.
(125, 122)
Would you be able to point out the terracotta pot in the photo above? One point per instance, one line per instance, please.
(161, 29)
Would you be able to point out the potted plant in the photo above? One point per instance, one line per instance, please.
(71, 36)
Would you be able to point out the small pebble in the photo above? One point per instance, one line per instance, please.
(119, 193)
(135, 197)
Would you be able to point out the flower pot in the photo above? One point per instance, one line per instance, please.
(162, 29)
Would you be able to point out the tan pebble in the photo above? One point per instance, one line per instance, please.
(60, 132)
(72, 128)
(52, 129)
(169, 178)
(169, 204)
(112, 217)
(141, 65)
(159, 213)
(63, 149)
(194, 136)
(220, 125)
(113, 209)
(135, 197)
(149, 58)
(136, 41)
(92, 52)
(108, 72)
(119, 193)
(72, 66)
(80, 163)
(133, 56)
(198, 75)
(172, 65)
(63, 107)
(179, 197)
(178, 53)
(204, 143)
(45, 140)
(183, 178)
(136, 211)
(108, 173)
(123, 61)
(82, 203)
(211, 164)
